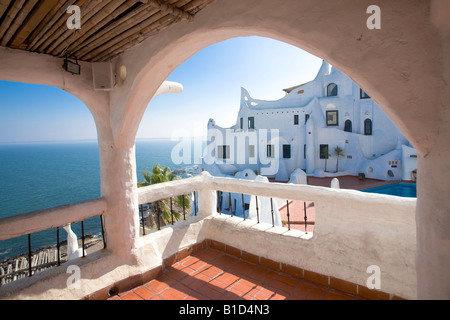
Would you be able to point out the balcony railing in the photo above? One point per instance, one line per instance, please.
(180, 207)
(352, 230)
(51, 220)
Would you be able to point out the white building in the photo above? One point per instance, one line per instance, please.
(302, 130)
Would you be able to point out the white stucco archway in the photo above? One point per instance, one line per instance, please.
(149, 64)
(403, 66)
(393, 65)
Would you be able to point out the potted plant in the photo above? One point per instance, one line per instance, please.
(361, 176)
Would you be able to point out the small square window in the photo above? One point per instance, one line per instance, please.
(251, 151)
(295, 119)
(251, 122)
(363, 95)
(223, 152)
(286, 151)
(332, 118)
(324, 151)
(270, 151)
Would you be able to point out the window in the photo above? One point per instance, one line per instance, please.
(332, 90)
(367, 127)
(270, 151)
(332, 118)
(306, 117)
(251, 151)
(348, 126)
(363, 95)
(241, 123)
(304, 151)
(251, 122)
(324, 151)
(223, 152)
(286, 151)
(295, 119)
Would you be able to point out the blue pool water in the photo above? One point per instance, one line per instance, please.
(397, 189)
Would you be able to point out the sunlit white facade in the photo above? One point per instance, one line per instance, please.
(303, 129)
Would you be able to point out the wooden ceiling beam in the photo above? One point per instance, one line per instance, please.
(60, 27)
(10, 16)
(113, 39)
(108, 27)
(38, 14)
(52, 16)
(132, 40)
(97, 20)
(169, 9)
(117, 27)
(4, 4)
(88, 19)
(93, 25)
(126, 44)
(18, 20)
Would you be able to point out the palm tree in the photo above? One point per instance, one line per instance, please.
(338, 152)
(165, 208)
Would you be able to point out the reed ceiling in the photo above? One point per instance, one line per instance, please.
(108, 27)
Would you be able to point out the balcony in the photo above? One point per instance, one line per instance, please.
(353, 232)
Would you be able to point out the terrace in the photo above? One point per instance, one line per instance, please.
(139, 43)
(347, 239)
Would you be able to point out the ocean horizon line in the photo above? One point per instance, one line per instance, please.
(43, 142)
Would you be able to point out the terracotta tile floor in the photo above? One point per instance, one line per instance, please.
(296, 208)
(214, 275)
(297, 215)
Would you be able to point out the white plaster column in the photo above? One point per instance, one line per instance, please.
(433, 184)
(207, 198)
(118, 171)
(119, 188)
(433, 222)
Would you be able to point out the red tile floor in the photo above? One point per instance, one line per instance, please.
(296, 208)
(211, 274)
(297, 215)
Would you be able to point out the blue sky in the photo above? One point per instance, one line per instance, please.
(212, 81)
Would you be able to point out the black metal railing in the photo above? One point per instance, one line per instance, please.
(48, 256)
(227, 204)
(153, 209)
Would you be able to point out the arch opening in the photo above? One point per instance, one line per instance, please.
(50, 157)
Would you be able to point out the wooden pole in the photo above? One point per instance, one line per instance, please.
(32, 21)
(3, 7)
(54, 14)
(92, 31)
(137, 38)
(137, 16)
(10, 16)
(113, 39)
(93, 23)
(59, 28)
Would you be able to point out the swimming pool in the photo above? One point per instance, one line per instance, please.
(397, 189)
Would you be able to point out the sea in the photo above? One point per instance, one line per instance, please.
(37, 176)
